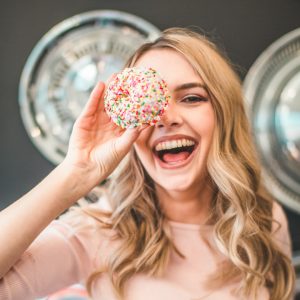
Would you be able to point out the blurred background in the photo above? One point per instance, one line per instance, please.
(243, 29)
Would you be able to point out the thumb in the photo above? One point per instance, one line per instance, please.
(126, 140)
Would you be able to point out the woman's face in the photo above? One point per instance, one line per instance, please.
(174, 151)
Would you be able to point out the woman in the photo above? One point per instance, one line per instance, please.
(193, 223)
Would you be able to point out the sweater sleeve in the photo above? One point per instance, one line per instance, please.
(60, 256)
(281, 232)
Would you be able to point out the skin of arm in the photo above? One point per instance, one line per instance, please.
(22, 222)
(96, 147)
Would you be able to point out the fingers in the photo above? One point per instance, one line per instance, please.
(104, 116)
(94, 103)
(129, 136)
(110, 78)
(101, 99)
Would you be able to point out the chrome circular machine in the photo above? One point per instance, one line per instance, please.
(66, 64)
(272, 92)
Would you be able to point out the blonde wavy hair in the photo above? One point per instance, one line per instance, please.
(241, 210)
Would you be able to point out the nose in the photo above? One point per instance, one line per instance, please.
(171, 117)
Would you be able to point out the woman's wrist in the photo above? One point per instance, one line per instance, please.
(79, 180)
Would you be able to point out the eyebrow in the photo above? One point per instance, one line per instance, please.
(189, 86)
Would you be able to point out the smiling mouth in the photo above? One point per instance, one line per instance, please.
(175, 155)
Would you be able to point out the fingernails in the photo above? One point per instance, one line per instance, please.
(144, 126)
(138, 128)
(133, 129)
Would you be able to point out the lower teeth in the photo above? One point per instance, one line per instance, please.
(174, 162)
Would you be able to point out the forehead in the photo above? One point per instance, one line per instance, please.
(171, 65)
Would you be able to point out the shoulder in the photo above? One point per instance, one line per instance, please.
(87, 217)
(84, 226)
(280, 229)
(280, 221)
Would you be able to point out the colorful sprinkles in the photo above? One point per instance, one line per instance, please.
(135, 97)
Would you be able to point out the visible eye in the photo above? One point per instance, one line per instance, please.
(194, 99)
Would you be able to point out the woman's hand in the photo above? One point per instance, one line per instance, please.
(96, 144)
(96, 147)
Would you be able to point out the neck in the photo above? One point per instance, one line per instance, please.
(190, 206)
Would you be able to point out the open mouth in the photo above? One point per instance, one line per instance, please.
(175, 155)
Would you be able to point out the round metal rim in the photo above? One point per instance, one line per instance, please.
(296, 264)
(150, 31)
(252, 80)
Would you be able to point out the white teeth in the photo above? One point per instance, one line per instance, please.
(179, 143)
(167, 145)
(174, 144)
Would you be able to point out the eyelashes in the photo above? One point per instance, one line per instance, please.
(194, 99)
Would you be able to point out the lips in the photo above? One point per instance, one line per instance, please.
(174, 151)
(176, 164)
(170, 138)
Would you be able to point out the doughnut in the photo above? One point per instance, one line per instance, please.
(136, 96)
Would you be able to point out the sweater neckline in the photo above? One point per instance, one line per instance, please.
(188, 226)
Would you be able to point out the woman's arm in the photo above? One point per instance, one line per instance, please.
(59, 257)
(95, 149)
(21, 222)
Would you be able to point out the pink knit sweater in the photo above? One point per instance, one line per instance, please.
(63, 255)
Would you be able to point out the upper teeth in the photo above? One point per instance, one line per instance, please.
(173, 144)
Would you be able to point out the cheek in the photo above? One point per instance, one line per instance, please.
(208, 121)
(210, 127)
(145, 157)
(209, 135)
(142, 146)
(143, 139)
(202, 123)
(142, 142)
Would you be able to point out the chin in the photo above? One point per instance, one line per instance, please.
(173, 184)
